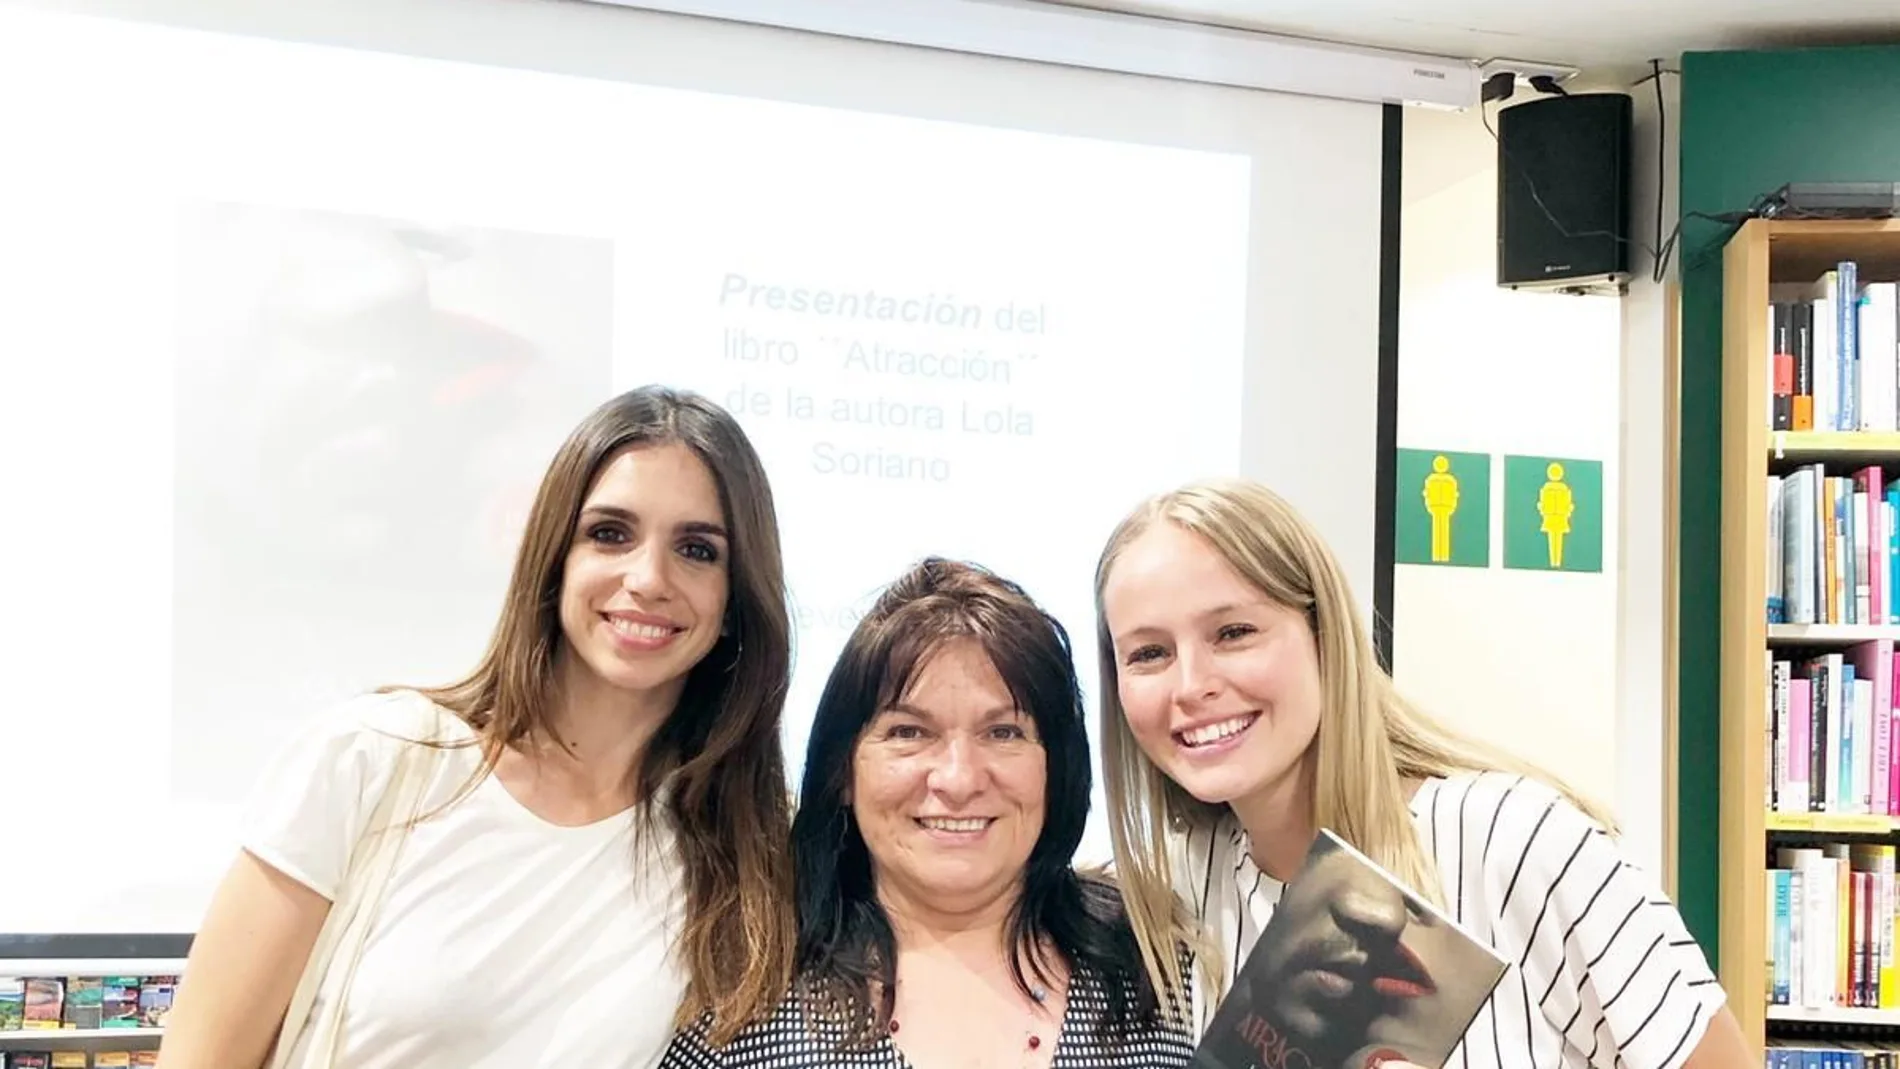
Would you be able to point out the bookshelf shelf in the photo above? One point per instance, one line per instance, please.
(1858, 447)
(56, 1037)
(92, 966)
(1762, 262)
(1829, 634)
(1833, 823)
(1802, 249)
(1836, 1015)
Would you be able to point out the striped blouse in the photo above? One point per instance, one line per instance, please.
(1602, 971)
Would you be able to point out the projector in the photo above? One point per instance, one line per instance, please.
(1834, 200)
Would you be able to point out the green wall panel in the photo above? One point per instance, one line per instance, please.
(1750, 121)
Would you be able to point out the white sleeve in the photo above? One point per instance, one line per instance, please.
(312, 798)
(1600, 946)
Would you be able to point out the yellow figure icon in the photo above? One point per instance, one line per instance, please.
(1441, 500)
(1555, 503)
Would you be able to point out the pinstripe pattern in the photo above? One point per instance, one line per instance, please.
(1603, 974)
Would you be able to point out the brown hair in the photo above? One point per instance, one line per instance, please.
(720, 751)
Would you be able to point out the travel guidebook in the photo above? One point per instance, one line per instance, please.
(1352, 971)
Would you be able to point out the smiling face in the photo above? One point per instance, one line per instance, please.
(644, 586)
(1220, 685)
(948, 785)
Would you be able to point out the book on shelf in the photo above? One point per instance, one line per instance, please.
(1834, 353)
(1834, 546)
(1831, 733)
(1833, 536)
(1395, 980)
(1832, 911)
(85, 1003)
(77, 1059)
(1822, 1054)
(12, 1003)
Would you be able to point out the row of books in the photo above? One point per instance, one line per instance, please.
(1833, 547)
(1833, 733)
(1834, 353)
(51, 1004)
(1832, 913)
(1812, 1054)
(78, 1059)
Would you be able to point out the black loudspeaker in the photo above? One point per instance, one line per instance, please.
(1564, 192)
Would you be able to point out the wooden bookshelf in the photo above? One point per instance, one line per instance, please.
(1856, 447)
(1760, 253)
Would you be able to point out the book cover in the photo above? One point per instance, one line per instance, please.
(155, 1000)
(44, 999)
(1352, 971)
(85, 1001)
(12, 1003)
(119, 1002)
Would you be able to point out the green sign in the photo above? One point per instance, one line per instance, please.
(1443, 512)
(1553, 514)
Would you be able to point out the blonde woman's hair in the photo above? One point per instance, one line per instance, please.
(1369, 742)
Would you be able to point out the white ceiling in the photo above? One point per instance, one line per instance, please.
(1598, 35)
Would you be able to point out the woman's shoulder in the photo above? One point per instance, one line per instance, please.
(378, 729)
(320, 789)
(1515, 840)
(393, 715)
(364, 736)
(1492, 804)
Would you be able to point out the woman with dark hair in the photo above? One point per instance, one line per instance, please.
(941, 922)
(589, 848)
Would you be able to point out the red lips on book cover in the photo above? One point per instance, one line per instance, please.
(1352, 971)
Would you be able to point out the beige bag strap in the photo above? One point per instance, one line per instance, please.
(331, 967)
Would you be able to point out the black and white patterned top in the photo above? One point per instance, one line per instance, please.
(789, 1039)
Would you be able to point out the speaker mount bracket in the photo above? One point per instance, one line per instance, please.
(1501, 77)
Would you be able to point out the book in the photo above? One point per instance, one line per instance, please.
(85, 1003)
(12, 1003)
(119, 1002)
(44, 998)
(1353, 970)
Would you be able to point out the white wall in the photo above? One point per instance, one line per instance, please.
(1646, 593)
(1529, 660)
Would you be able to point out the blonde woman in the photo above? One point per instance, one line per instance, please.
(1243, 708)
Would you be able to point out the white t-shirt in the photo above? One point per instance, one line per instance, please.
(503, 941)
(1602, 971)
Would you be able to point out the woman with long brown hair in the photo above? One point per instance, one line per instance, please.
(587, 843)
